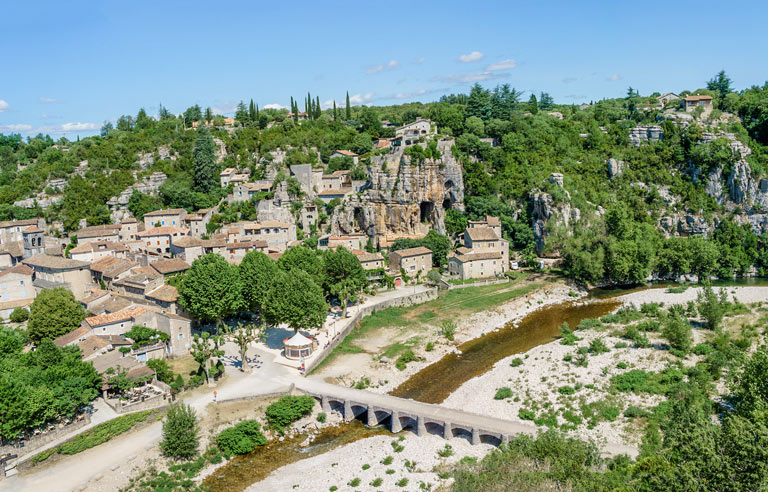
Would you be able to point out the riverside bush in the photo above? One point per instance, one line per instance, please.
(241, 438)
(103, 432)
(503, 393)
(287, 410)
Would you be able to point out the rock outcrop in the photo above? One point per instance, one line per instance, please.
(403, 198)
(645, 133)
(615, 167)
(547, 213)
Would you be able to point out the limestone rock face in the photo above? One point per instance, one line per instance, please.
(645, 133)
(684, 225)
(403, 198)
(615, 167)
(547, 213)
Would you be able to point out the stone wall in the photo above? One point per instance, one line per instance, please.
(402, 301)
(23, 447)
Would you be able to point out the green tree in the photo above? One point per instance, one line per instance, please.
(677, 331)
(369, 121)
(19, 315)
(361, 144)
(475, 126)
(533, 104)
(211, 289)
(256, 272)
(711, 307)
(241, 114)
(53, 313)
(305, 259)
(208, 115)
(348, 111)
(479, 102)
(252, 112)
(205, 349)
(344, 275)
(720, 83)
(205, 169)
(242, 336)
(296, 300)
(180, 432)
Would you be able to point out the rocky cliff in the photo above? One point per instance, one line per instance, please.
(403, 198)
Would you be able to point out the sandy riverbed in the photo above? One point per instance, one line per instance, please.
(342, 465)
(384, 376)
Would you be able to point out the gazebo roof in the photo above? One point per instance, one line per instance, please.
(297, 340)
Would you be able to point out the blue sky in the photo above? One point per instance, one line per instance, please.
(70, 66)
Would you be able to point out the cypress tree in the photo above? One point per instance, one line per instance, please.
(205, 172)
(291, 104)
(349, 112)
(252, 111)
(257, 112)
(334, 110)
(317, 108)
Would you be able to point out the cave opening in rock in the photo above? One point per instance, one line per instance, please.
(359, 218)
(426, 209)
(447, 203)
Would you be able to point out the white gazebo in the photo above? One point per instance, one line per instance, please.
(298, 346)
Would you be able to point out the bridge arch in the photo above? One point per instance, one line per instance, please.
(462, 433)
(492, 439)
(435, 428)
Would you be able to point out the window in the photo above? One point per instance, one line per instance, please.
(148, 243)
(181, 336)
(162, 222)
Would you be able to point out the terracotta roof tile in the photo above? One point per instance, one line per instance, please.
(20, 269)
(123, 315)
(72, 336)
(417, 251)
(482, 234)
(170, 265)
(54, 262)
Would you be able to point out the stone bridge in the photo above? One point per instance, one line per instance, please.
(423, 418)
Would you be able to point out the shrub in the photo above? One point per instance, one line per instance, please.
(354, 482)
(446, 452)
(648, 325)
(448, 329)
(321, 417)
(566, 335)
(639, 381)
(526, 414)
(376, 482)
(366, 466)
(566, 390)
(677, 331)
(703, 349)
(590, 324)
(390, 471)
(633, 412)
(288, 409)
(677, 290)
(430, 346)
(19, 315)
(638, 339)
(516, 362)
(598, 346)
(387, 461)
(621, 365)
(620, 345)
(502, 393)
(402, 482)
(180, 439)
(404, 359)
(241, 438)
(652, 309)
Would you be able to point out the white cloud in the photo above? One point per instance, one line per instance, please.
(614, 78)
(466, 77)
(502, 65)
(3, 106)
(360, 98)
(471, 57)
(419, 61)
(79, 127)
(224, 107)
(328, 104)
(15, 128)
(49, 100)
(390, 65)
(275, 106)
(408, 95)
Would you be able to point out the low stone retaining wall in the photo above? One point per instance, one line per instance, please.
(479, 283)
(404, 301)
(26, 446)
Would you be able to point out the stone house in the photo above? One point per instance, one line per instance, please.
(108, 232)
(493, 223)
(11, 253)
(16, 289)
(197, 222)
(309, 178)
(96, 345)
(158, 239)
(57, 271)
(95, 250)
(118, 323)
(328, 195)
(308, 216)
(191, 248)
(486, 240)
(165, 297)
(170, 267)
(173, 217)
(412, 132)
(12, 230)
(141, 281)
(692, 102)
(226, 175)
(411, 260)
(476, 265)
(346, 153)
(665, 99)
(248, 191)
(110, 269)
(236, 251)
(277, 234)
(349, 241)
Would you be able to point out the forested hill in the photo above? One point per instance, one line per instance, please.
(640, 186)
